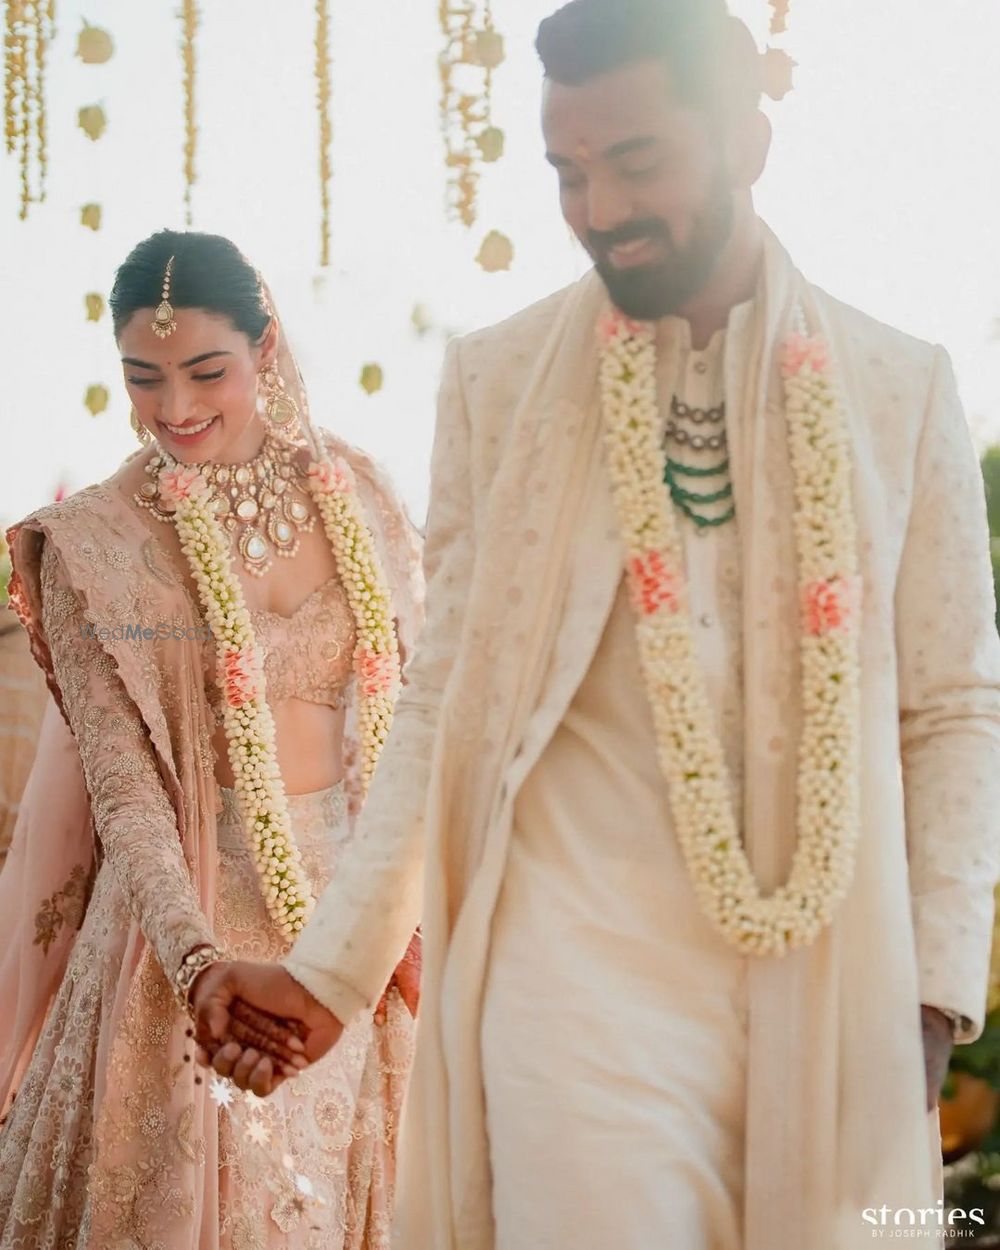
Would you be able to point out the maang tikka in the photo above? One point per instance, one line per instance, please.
(165, 325)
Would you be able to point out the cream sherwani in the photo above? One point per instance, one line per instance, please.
(614, 1016)
(772, 1099)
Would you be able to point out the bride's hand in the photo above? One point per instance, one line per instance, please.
(256, 1025)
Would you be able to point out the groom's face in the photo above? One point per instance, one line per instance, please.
(642, 183)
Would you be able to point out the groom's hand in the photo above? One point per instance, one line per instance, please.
(257, 1025)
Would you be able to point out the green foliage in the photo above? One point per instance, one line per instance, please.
(981, 1058)
(991, 480)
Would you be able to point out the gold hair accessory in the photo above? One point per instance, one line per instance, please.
(282, 411)
(165, 325)
(141, 433)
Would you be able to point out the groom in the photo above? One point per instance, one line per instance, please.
(694, 782)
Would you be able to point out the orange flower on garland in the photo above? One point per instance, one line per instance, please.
(653, 584)
(828, 606)
(240, 676)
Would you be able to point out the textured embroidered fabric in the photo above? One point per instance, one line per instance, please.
(337, 1122)
(133, 815)
(307, 655)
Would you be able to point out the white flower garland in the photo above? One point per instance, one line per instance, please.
(247, 719)
(376, 656)
(691, 755)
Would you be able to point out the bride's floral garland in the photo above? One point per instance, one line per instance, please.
(247, 721)
(691, 755)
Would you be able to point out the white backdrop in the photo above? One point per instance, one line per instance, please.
(884, 182)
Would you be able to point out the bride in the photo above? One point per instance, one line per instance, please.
(221, 624)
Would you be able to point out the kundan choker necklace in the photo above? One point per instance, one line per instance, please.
(262, 503)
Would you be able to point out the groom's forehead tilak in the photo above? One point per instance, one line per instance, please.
(594, 119)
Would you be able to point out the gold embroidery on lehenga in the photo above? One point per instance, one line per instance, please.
(66, 906)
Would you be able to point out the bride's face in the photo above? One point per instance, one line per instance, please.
(195, 391)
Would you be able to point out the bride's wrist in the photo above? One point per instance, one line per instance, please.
(197, 960)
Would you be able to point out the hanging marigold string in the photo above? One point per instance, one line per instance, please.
(323, 93)
(473, 50)
(29, 28)
(190, 20)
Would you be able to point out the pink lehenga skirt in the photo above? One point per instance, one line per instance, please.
(311, 1168)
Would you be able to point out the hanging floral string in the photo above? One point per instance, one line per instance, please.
(325, 126)
(779, 16)
(29, 28)
(94, 46)
(189, 19)
(473, 50)
(778, 65)
(45, 29)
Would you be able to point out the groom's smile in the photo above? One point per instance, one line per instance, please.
(648, 180)
(643, 251)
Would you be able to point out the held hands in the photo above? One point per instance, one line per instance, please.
(937, 1051)
(256, 1025)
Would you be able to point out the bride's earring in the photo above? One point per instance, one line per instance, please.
(141, 433)
(282, 411)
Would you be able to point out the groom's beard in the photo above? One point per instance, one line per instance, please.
(649, 292)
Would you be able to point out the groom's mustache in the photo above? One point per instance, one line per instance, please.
(602, 241)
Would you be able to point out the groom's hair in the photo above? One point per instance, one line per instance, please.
(710, 56)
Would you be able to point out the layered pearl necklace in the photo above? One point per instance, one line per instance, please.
(263, 503)
(187, 494)
(690, 752)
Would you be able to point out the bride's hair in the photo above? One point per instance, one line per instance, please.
(209, 272)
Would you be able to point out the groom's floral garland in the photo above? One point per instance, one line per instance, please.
(690, 753)
(248, 723)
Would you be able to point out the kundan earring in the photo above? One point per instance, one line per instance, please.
(141, 433)
(282, 411)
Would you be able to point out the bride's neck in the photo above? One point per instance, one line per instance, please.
(247, 447)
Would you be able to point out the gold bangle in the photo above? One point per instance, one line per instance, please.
(192, 965)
